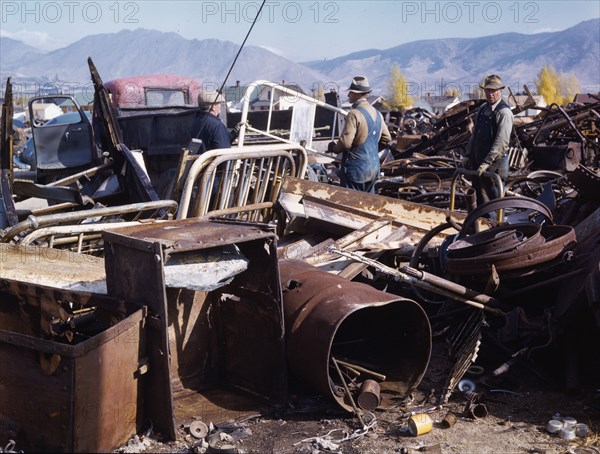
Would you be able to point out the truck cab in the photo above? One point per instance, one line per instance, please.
(155, 114)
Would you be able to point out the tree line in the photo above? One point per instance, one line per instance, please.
(555, 87)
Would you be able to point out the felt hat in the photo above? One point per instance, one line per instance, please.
(492, 82)
(360, 84)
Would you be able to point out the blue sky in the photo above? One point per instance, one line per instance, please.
(298, 30)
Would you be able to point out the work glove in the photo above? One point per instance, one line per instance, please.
(331, 147)
(482, 168)
(235, 132)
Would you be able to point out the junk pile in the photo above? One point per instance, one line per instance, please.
(265, 275)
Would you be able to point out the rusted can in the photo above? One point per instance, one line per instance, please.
(420, 424)
(449, 420)
(369, 397)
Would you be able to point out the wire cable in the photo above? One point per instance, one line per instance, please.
(220, 92)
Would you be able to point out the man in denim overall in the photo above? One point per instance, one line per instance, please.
(364, 134)
(488, 146)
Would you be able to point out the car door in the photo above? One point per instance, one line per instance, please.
(64, 141)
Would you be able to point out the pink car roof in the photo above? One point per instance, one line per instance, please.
(131, 91)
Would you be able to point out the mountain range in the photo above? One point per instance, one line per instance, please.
(427, 65)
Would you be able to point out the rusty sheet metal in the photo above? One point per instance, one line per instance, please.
(190, 234)
(57, 396)
(201, 341)
(415, 216)
(329, 316)
(52, 267)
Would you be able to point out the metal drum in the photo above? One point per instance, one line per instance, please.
(328, 316)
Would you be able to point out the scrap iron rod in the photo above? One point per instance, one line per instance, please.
(376, 375)
(452, 290)
(347, 390)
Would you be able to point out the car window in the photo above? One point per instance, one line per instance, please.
(162, 97)
(59, 111)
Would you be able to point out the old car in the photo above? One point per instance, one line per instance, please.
(155, 114)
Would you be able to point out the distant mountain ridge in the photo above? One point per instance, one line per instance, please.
(428, 65)
(12, 50)
(142, 51)
(465, 61)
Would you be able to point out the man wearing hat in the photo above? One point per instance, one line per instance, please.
(363, 135)
(208, 126)
(488, 146)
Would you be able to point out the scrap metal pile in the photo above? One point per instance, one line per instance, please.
(527, 262)
(341, 289)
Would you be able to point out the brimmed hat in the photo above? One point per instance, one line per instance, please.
(492, 82)
(360, 84)
(210, 97)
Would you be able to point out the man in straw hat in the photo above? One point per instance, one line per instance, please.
(363, 135)
(488, 146)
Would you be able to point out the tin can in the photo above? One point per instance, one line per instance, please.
(449, 420)
(420, 424)
(370, 395)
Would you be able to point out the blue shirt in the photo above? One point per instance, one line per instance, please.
(211, 130)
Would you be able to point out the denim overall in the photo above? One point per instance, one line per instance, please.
(360, 168)
(483, 138)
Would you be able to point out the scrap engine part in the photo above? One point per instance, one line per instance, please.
(328, 317)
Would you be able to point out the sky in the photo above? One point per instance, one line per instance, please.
(297, 30)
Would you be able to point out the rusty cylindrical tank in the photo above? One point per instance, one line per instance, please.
(326, 315)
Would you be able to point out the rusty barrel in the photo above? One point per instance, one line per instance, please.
(326, 315)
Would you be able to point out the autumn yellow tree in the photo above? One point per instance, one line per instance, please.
(556, 88)
(569, 87)
(397, 97)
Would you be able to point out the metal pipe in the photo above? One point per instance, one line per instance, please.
(240, 209)
(376, 375)
(471, 199)
(459, 293)
(357, 412)
(462, 171)
(33, 222)
(450, 286)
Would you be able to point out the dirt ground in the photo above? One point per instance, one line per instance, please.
(519, 404)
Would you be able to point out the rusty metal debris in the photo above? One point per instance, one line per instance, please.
(373, 334)
(265, 271)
